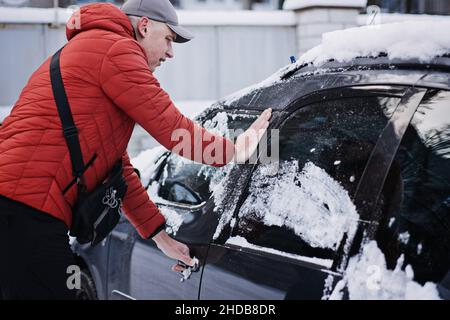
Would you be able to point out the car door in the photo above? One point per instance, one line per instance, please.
(280, 242)
(121, 242)
(416, 196)
(182, 190)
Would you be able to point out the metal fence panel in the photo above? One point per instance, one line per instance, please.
(220, 60)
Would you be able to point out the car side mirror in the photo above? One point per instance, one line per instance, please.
(176, 191)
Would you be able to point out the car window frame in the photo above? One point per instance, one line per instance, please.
(429, 90)
(288, 112)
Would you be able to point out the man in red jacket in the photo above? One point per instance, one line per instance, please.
(107, 70)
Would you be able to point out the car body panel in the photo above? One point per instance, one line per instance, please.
(235, 273)
(96, 261)
(138, 269)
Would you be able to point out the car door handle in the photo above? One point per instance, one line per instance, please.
(186, 274)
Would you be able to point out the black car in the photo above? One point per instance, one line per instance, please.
(364, 158)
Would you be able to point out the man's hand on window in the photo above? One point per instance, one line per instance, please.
(247, 142)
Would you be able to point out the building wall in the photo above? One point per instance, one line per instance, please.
(312, 23)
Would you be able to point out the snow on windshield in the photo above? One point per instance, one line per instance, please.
(367, 278)
(310, 202)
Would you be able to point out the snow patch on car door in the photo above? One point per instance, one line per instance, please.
(310, 202)
(242, 242)
(367, 277)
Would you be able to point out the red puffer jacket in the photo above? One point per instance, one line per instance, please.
(110, 88)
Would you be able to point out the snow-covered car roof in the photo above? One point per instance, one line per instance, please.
(422, 44)
(421, 40)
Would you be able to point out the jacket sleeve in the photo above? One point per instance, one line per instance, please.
(143, 214)
(127, 80)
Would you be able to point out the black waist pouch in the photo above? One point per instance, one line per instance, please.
(97, 213)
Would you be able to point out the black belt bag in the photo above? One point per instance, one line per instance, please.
(96, 213)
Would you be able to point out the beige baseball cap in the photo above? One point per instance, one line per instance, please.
(159, 10)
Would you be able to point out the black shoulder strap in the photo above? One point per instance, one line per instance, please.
(70, 131)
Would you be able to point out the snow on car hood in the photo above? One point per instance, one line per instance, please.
(367, 278)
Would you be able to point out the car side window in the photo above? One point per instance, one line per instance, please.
(303, 203)
(187, 182)
(416, 199)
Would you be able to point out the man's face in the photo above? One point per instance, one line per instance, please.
(156, 38)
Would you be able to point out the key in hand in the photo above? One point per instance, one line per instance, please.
(188, 269)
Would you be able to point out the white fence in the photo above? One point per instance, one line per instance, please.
(230, 51)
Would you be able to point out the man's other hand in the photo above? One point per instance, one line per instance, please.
(247, 142)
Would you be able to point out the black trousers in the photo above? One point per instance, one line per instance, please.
(34, 254)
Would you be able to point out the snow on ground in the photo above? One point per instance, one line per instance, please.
(320, 212)
(367, 278)
(242, 242)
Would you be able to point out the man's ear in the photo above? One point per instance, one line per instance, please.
(143, 26)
